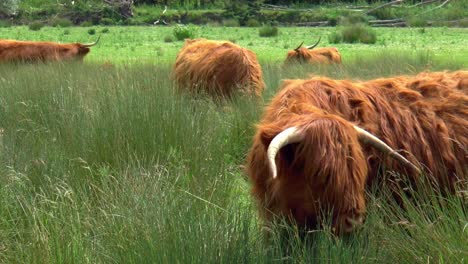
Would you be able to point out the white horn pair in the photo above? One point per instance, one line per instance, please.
(294, 135)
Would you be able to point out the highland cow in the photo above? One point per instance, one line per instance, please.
(323, 142)
(310, 55)
(218, 68)
(37, 51)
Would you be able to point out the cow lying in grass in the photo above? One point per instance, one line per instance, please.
(40, 51)
(308, 54)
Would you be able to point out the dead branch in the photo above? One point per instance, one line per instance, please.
(384, 5)
(425, 3)
(443, 4)
(398, 24)
(274, 7)
(437, 7)
(357, 7)
(389, 21)
(312, 24)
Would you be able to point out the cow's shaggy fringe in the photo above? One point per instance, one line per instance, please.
(218, 68)
(425, 117)
(41, 51)
(327, 55)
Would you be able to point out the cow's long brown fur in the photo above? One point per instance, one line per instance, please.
(219, 68)
(33, 51)
(327, 55)
(425, 117)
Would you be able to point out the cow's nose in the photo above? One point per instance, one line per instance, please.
(349, 224)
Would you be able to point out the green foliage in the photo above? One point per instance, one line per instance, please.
(36, 26)
(243, 10)
(86, 24)
(105, 30)
(5, 23)
(8, 7)
(358, 33)
(168, 39)
(417, 21)
(182, 32)
(252, 22)
(353, 19)
(60, 22)
(107, 21)
(335, 37)
(66, 32)
(91, 31)
(231, 22)
(268, 31)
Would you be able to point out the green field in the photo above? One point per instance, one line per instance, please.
(146, 44)
(102, 164)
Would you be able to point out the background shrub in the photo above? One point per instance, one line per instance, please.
(5, 23)
(368, 36)
(91, 31)
(335, 37)
(36, 26)
(231, 22)
(168, 38)
(86, 24)
(107, 21)
(252, 23)
(105, 30)
(268, 31)
(60, 22)
(416, 21)
(182, 32)
(358, 33)
(352, 19)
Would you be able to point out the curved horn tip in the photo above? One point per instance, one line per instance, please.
(298, 47)
(369, 138)
(315, 45)
(94, 43)
(287, 136)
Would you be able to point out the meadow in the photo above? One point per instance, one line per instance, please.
(102, 162)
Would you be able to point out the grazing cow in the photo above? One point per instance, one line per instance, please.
(321, 142)
(33, 51)
(313, 56)
(218, 68)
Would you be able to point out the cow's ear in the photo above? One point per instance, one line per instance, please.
(267, 134)
(265, 138)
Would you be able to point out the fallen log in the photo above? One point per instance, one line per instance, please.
(312, 24)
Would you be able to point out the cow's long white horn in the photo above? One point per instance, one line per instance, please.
(92, 44)
(287, 136)
(313, 46)
(372, 140)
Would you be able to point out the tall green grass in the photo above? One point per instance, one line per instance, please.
(106, 164)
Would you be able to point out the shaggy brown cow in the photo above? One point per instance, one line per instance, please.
(219, 68)
(33, 51)
(312, 152)
(309, 55)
